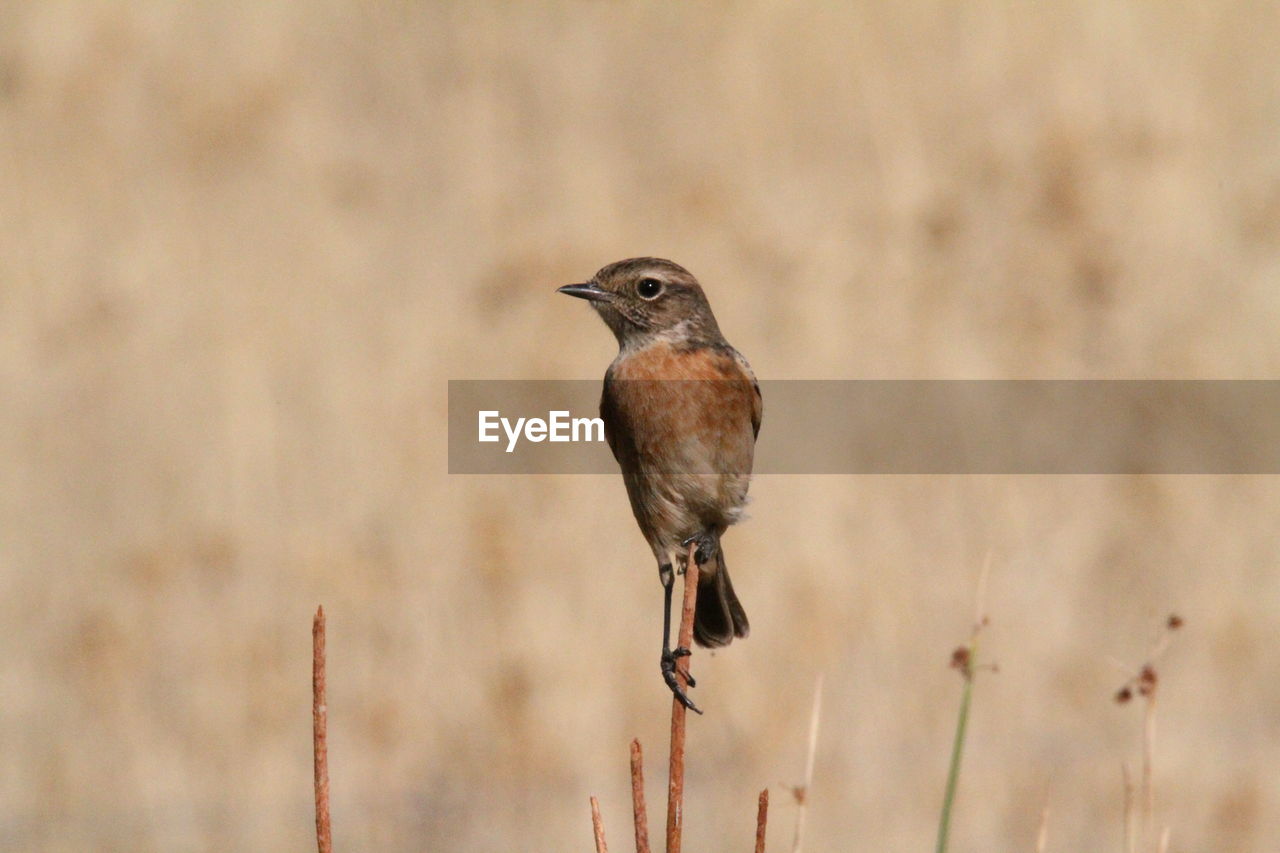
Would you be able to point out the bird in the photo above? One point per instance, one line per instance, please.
(681, 411)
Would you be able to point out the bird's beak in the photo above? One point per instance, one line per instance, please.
(588, 290)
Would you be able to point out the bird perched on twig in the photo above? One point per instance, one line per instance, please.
(681, 410)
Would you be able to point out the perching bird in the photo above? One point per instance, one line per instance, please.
(681, 410)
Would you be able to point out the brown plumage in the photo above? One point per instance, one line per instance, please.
(681, 409)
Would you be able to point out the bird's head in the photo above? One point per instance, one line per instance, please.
(644, 298)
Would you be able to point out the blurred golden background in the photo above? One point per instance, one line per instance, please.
(245, 245)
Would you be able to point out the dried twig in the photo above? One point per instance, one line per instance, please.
(762, 819)
(1144, 684)
(801, 792)
(675, 779)
(1130, 837)
(597, 824)
(1148, 752)
(1164, 841)
(320, 734)
(1042, 834)
(637, 798)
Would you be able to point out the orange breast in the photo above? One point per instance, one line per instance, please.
(687, 411)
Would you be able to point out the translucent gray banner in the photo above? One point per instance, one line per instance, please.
(905, 427)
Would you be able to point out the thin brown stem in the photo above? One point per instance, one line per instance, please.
(762, 819)
(320, 734)
(597, 824)
(637, 798)
(675, 778)
(1130, 841)
(1140, 816)
(1148, 753)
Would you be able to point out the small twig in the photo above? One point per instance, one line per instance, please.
(801, 792)
(1164, 841)
(1144, 684)
(957, 753)
(965, 659)
(1148, 752)
(762, 819)
(637, 798)
(980, 597)
(1042, 834)
(1130, 838)
(320, 734)
(675, 778)
(597, 824)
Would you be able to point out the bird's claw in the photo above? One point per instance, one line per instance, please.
(708, 547)
(668, 666)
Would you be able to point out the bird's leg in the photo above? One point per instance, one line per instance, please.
(669, 656)
(708, 546)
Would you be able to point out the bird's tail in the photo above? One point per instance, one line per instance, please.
(719, 616)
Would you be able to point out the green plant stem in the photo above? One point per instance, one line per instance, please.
(957, 750)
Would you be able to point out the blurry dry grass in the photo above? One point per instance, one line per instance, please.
(242, 247)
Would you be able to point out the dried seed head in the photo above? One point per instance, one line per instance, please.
(1124, 694)
(1175, 622)
(1147, 680)
(960, 658)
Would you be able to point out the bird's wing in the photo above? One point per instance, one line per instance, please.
(757, 404)
(611, 416)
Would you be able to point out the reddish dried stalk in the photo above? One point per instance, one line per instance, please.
(762, 818)
(637, 798)
(675, 779)
(597, 824)
(320, 734)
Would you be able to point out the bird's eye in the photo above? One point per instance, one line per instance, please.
(649, 288)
